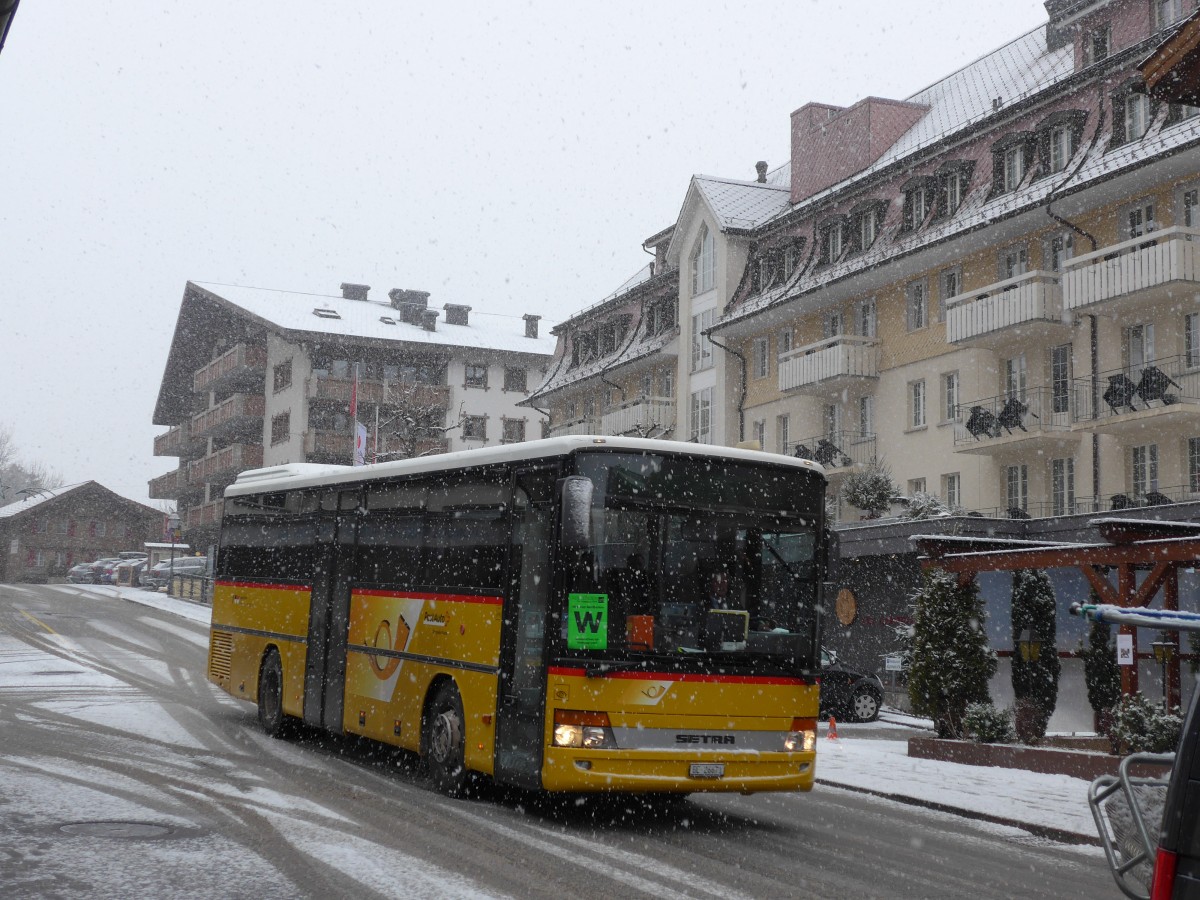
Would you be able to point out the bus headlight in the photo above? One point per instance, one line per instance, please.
(588, 730)
(802, 736)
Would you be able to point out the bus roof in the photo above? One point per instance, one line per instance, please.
(303, 475)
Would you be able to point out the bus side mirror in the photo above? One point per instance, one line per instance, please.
(577, 512)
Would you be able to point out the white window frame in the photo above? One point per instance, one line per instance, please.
(866, 318)
(868, 228)
(1189, 206)
(916, 486)
(1193, 464)
(783, 432)
(1014, 262)
(1136, 109)
(916, 404)
(950, 284)
(1139, 346)
(784, 341)
(1191, 340)
(1014, 166)
(1016, 487)
(1167, 12)
(917, 303)
(1143, 469)
(1062, 486)
(702, 348)
(919, 205)
(866, 416)
(1060, 247)
(1062, 146)
(1097, 38)
(762, 357)
(952, 490)
(834, 324)
(1140, 219)
(704, 262)
(1060, 378)
(700, 419)
(831, 417)
(759, 430)
(1016, 377)
(951, 400)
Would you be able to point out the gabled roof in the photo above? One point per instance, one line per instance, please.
(734, 205)
(292, 312)
(46, 495)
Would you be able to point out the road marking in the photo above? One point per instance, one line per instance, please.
(36, 621)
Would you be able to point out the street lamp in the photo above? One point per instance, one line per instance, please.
(1029, 645)
(1164, 651)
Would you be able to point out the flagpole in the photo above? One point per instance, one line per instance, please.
(354, 418)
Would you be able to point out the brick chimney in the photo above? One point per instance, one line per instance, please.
(354, 291)
(429, 319)
(531, 325)
(409, 303)
(831, 143)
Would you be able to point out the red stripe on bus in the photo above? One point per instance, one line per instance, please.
(421, 595)
(678, 676)
(260, 584)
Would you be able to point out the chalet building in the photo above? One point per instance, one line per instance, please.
(260, 377)
(48, 531)
(991, 288)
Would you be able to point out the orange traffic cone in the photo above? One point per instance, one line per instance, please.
(832, 729)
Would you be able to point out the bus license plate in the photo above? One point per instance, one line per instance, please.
(707, 770)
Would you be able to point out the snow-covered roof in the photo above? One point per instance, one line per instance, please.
(294, 311)
(638, 278)
(37, 499)
(742, 204)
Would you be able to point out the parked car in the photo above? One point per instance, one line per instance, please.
(848, 694)
(99, 566)
(109, 570)
(80, 573)
(157, 576)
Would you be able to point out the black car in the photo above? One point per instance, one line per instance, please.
(846, 694)
(1177, 863)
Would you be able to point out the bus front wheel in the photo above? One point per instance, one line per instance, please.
(445, 740)
(270, 696)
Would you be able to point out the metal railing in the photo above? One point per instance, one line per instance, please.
(579, 425)
(186, 586)
(1031, 412)
(836, 449)
(1160, 384)
(640, 415)
(1032, 297)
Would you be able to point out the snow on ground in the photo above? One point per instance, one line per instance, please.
(864, 757)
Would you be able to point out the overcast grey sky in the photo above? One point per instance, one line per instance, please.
(509, 156)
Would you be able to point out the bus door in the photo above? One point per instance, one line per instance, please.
(522, 693)
(329, 615)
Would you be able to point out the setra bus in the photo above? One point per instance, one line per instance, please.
(570, 614)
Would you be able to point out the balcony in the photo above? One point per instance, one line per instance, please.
(1028, 307)
(1158, 400)
(321, 446)
(1037, 421)
(640, 417)
(240, 413)
(840, 452)
(169, 486)
(244, 366)
(223, 466)
(580, 425)
(178, 441)
(203, 514)
(830, 365)
(385, 394)
(1162, 263)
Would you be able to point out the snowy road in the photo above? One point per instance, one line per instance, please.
(124, 773)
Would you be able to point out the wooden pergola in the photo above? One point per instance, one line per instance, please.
(1160, 549)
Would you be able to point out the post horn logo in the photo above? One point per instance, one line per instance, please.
(385, 666)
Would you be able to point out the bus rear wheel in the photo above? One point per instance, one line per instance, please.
(270, 696)
(445, 741)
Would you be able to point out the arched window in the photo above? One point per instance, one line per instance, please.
(704, 262)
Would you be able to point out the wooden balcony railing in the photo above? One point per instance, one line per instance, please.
(1032, 297)
(246, 362)
(225, 464)
(168, 486)
(833, 359)
(239, 410)
(393, 394)
(580, 425)
(204, 514)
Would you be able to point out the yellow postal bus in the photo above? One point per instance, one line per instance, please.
(571, 614)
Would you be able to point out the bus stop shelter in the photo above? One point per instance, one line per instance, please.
(1147, 557)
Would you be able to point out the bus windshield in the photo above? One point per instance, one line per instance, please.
(697, 562)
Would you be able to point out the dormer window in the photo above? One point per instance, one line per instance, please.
(866, 220)
(919, 196)
(1133, 111)
(953, 180)
(833, 239)
(1058, 138)
(583, 348)
(766, 270)
(1167, 12)
(1097, 44)
(704, 262)
(1011, 159)
(660, 317)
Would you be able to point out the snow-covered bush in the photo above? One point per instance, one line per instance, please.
(923, 505)
(1034, 681)
(871, 490)
(950, 663)
(985, 724)
(1139, 725)
(1101, 674)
